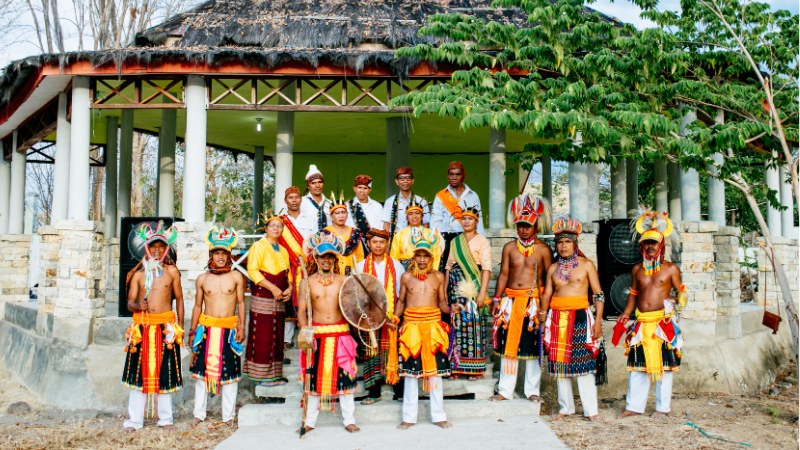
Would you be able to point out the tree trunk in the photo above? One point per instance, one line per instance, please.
(57, 26)
(36, 26)
(47, 31)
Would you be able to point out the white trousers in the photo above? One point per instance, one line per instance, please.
(347, 404)
(411, 400)
(228, 392)
(508, 382)
(137, 401)
(587, 391)
(639, 387)
(288, 332)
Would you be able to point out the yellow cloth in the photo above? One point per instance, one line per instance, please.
(569, 303)
(134, 333)
(423, 335)
(652, 343)
(347, 261)
(230, 323)
(402, 248)
(263, 257)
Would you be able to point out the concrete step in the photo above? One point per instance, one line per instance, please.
(21, 314)
(386, 411)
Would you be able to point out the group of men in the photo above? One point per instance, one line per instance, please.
(435, 268)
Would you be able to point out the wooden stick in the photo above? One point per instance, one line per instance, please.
(309, 355)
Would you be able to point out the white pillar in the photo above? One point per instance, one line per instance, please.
(284, 158)
(497, 178)
(194, 167)
(593, 180)
(660, 178)
(79, 179)
(16, 203)
(716, 187)
(773, 214)
(547, 180)
(125, 166)
(31, 210)
(5, 190)
(398, 150)
(578, 192)
(60, 200)
(165, 207)
(787, 215)
(111, 178)
(619, 205)
(674, 193)
(690, 180)
(632, 187)
(258, 184)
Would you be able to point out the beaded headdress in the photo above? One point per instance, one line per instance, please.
(221, 238)
(322, 243)
(341, 204)
(420, 242)
(149, 235)
(652, 227)
(567, 226)
(529, 209)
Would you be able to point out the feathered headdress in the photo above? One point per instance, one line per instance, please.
(221, 238)
(420, 242)
(568, 226)
(149, 235)
(414, 205)
(338, 204)
(529, 209)
(323, 242)
(472, 211)
(268, 216)
(652, 226)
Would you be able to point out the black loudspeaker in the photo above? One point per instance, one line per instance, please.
(131, 251)
(617, 254)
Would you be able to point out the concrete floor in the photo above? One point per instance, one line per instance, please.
(512, 433)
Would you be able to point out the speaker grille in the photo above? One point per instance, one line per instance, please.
(623, 245)
(620, 290)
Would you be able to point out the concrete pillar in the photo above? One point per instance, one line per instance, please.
(773, 214)
(125, 166)
(632, 188)
(578, 192)
(547, 179)
(79, 179)
(593, 181)
(690, 180)
(31, 210)
(497, 178)
(398, 150)
(194, 175)
(258, 184)
(674, 192)
(660, 178)
(111, 178)
(787, 215)
(284, 158)
(5, 190)
(165, 206)
(619, 208)
(16, 202)
(60, 201)
(716, 187)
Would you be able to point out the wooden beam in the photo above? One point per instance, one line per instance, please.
(313, 108)
(140, 106)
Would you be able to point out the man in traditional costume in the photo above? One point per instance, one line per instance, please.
(292, 240)
(268, 266)
(315, 208)
(217, 334)
(571, 334)
(365, 213)
(402, 247)
(381, 363)
(653, 341)
(524, 265)
(469, 266)
(333, 369)
(394, 208)
(424, 339)
(153, 361)
(450, 203)
(353, 251)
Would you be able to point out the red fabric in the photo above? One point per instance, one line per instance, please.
(619, 331)
(265, 340)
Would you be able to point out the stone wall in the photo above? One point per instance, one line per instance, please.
(192, 253)
(787, 250)
(14, 257)
(48, 268)
(111, 271)
(695, 259)
(727, 290)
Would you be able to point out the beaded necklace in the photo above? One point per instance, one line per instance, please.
(420, 274)
(565, 266)
(526, 247)
(325, 278)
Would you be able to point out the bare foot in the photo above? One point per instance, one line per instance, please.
(659, 415)
(497, 398)
(352, 428)
(476, 377)
(443, 424)
(594, 418)
(628, 413)
(455, 376)
(557, 416)
(168, 428)
(535, 399)
(194, 422)
(404, 426)
(231, 423)
(308, 428)
(128, 430)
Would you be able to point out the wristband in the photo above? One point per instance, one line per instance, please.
(496, 300)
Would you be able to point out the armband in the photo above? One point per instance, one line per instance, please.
(496, 300)
(600, 297)
(683, 297)
(634, 291)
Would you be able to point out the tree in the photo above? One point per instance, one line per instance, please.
(626, 91)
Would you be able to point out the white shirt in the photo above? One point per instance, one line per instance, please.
(380, 269)
(372, 210)
(307, 223)
(402, 204)
(442, 220)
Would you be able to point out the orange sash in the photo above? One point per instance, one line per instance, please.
(143, 318)
(450, 203)
(423, 335)
(520, 306)
(230, 323)
(569, 303)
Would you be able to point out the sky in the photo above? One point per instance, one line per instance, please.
(24, 43)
